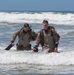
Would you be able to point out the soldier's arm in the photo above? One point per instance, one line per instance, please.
(12, 41)
(34, 35)
(38, 39)
(56, 37)
(14, 36)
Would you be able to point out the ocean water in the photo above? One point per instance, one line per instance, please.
(15, 62)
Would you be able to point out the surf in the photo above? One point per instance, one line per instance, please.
(35, 17)
(41, 58)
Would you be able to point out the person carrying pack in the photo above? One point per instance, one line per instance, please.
(25, 35)
(48, 38)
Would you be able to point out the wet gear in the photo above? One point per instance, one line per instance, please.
(35, 49)
(21, 47)
(24, 38)
(9, 47)
(49, 38)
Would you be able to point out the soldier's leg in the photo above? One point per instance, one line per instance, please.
(51, 50)
(27, 47)
(19, 47)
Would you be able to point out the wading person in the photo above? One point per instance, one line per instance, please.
(25, 35)
(48, 38)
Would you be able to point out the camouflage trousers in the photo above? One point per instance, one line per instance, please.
(21, 47)
(48, 49)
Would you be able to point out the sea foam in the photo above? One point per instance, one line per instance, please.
(22, 17)
(41, 58)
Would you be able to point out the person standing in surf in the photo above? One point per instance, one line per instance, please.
(48, 38)
(25, 35)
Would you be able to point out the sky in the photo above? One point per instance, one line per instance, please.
(36, 5)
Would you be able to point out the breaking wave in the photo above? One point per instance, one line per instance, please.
(34, 17)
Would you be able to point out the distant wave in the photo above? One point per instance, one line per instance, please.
(35, 17)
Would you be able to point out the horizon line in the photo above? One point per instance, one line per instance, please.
(34, 11)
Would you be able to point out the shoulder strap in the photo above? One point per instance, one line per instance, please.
(42, 35)
(20, 32)
(52, 29)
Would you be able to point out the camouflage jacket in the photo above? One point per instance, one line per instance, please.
(30, 36)
(53, 34)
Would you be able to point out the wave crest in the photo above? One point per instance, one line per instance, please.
(21, 17)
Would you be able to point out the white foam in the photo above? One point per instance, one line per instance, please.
(54, 18)
(15, 57)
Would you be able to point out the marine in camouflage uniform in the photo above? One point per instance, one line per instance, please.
(25, 35)
(48, 38)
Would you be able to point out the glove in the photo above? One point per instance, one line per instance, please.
(35, 49)
(12, 42)
(56, 45)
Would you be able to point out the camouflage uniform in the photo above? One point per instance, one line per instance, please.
(49, 39)
(24, 39)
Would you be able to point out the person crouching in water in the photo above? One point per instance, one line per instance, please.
(25, 35)
(48, 38)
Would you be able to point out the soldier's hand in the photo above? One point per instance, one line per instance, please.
(12, 42)
(55, 49)
(35, 49)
